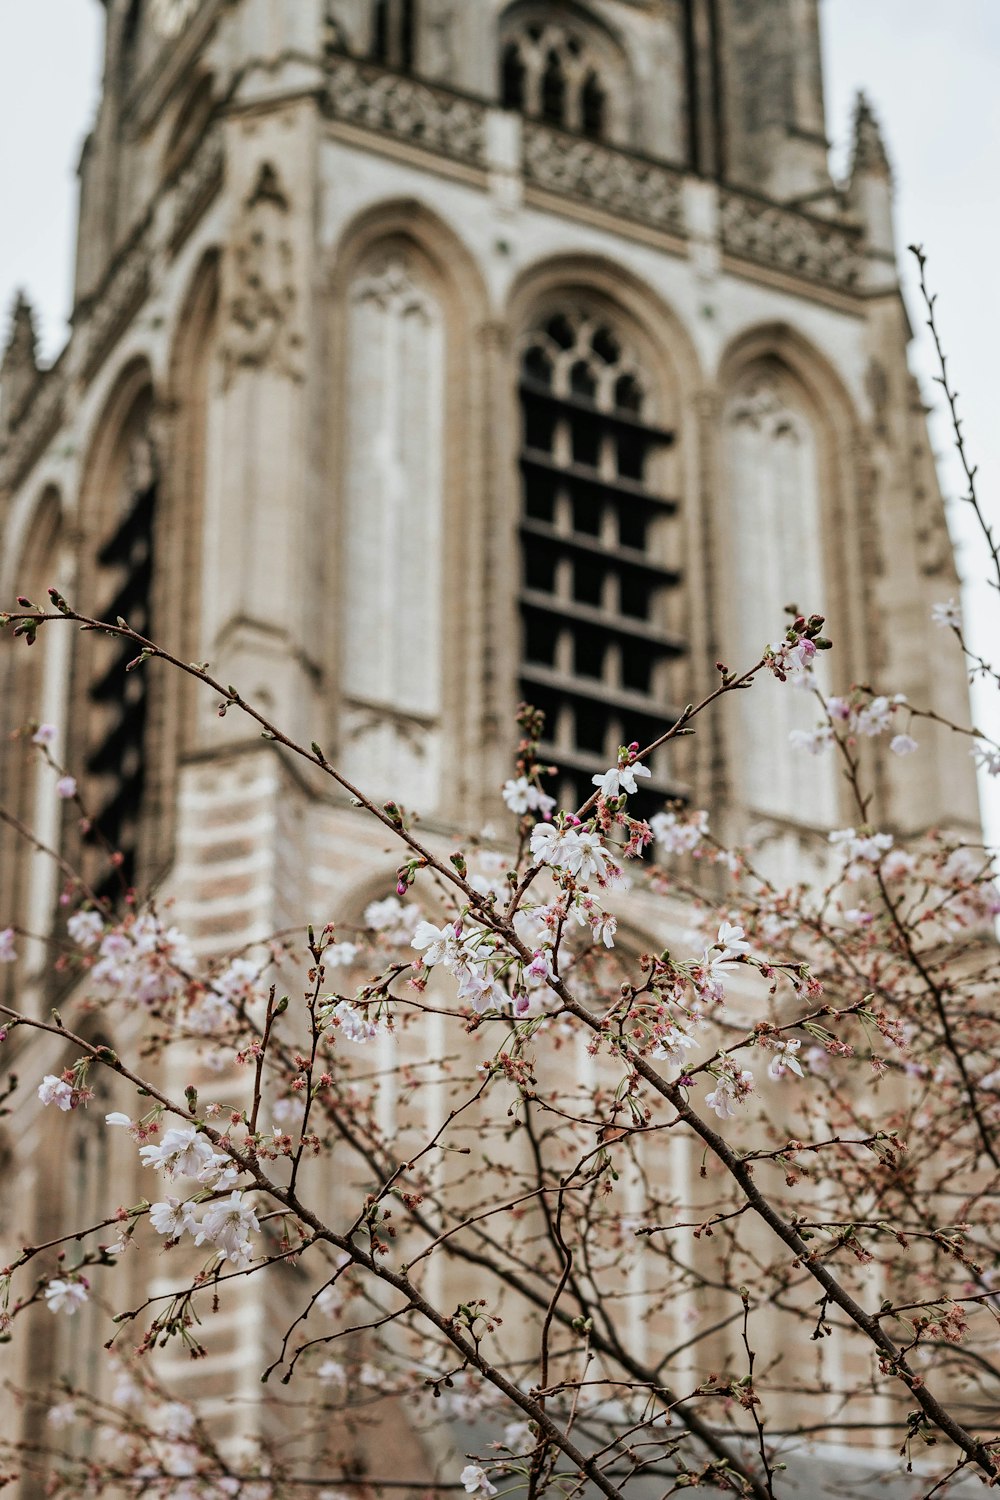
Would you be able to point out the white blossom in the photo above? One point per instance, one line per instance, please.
(728, 1090)
(440, 945)
(68, 1294)
(948, 614)
(66, 787)
(8, 952)
(173, 1218)
(875, 717)
(987, 758)
(228, 1224)
(814, 740)
(355, 1026)
(784, 1059)
(732, 941)
(117, 1118)
(475, 1482)
(85, 928)
(676, 835)
(53, 1090)
(522, 796)
(185, 1152)
(340, 955)
(44, 735)
(620, 779)
(903, 744)
(671, 1043)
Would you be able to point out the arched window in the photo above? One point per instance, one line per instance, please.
(561, 72)
(775, 529)
(600, 581)
(394, 26)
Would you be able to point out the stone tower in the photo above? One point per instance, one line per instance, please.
(428, 355)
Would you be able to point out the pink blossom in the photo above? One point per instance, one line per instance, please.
(66, 787)
(8, 953)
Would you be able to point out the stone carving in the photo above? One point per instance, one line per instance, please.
(196, 186)
(789, 241)
(418, 112)
(114, 307)
(262, 330)
(647, 191)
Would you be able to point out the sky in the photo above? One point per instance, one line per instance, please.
(929, 67)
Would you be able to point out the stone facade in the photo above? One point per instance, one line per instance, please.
(314, 256)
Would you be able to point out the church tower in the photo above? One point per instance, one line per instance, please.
(429, 356)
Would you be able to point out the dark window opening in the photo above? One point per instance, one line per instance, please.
(631, 455)
(632, 530)
(588, 511)
(589, 651)
(554, 91)
(637, 669)
(541, 637)
(588, 581)
(540, 497)
(590, 723)
(394, 29)
(592, 107)
(585, 441)
(634, 601)
(512, 77)
(540, 571)
(539, 427)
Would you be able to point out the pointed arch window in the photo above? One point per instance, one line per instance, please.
(600, 587)
(563, 73)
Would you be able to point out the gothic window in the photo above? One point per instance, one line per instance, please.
(116, 759)
(775, 527)
(600, 581)
(561, 73)
(394, 25)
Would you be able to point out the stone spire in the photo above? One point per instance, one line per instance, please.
(19, 366)
(869, 154)
(869, 193)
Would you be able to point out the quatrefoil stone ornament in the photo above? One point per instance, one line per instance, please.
(171, 16)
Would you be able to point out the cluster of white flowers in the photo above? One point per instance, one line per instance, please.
(717, 961)
(523, 796)
(575, 851)
(227, 1223)
(731, 1087)
(392, 919)
(185, 1152)
(868, 718)
(353, 1023)
(142, 960)
(467, 955)
(861, 851)
(675, 834)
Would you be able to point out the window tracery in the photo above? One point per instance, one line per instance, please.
(600, 542)
(554, 72)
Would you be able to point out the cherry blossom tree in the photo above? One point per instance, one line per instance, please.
(617, 1222)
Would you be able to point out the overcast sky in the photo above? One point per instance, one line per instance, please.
(930, 67)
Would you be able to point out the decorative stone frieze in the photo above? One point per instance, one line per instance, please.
(789, 241)
(647, 191)
(263, 330)
(116, 305)
(447, 123)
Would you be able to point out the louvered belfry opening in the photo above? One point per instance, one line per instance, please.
(600, 544)
(119, 699)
